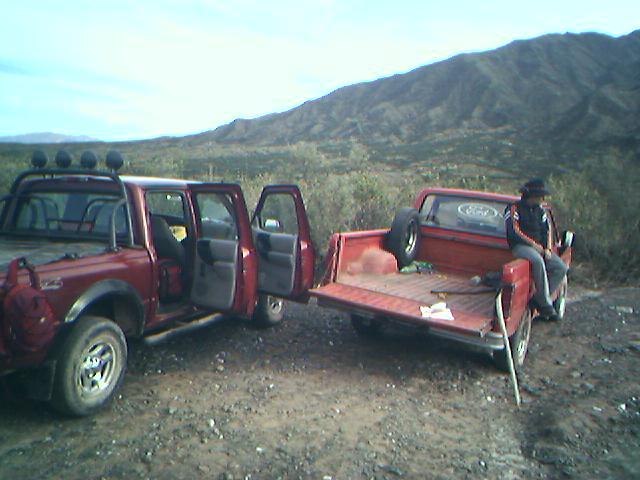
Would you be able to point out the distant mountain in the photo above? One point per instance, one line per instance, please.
(46, 137)
(555, 87)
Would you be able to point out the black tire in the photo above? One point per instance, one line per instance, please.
(269, 311)
(366, 326)
(560, 303)
(519, 343)
(404, 238)
(91, 365)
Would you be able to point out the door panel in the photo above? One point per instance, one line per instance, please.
(286, 256)
(222, 227)
(277, 260)
(216, 267)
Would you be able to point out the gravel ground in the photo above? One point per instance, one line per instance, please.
(311, 399)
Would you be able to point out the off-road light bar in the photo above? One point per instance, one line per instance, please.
(39, 159)
(63, 159)
(88, 160)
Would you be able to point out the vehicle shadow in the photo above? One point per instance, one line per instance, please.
(314, 339)
(14, 404)
(311, 339)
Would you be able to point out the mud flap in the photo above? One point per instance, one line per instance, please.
(37, 383)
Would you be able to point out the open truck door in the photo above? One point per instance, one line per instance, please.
(282, 237)
(221, 281)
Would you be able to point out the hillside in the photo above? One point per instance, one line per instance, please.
(564, 87)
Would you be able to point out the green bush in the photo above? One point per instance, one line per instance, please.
(602, 205)
(346, 189)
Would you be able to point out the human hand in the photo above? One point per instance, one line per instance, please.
(548, 253)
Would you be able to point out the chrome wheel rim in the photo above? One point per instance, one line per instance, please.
(97, 369)
(275, 304)
(412, 237)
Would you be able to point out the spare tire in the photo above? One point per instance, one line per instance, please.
(404, 238)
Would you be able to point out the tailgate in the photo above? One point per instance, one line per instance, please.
(362, 300)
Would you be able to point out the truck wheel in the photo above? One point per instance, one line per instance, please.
(365, 326)
(404, 237)
(560, 304)
(269, 311)
(91, 365)
(519, 343)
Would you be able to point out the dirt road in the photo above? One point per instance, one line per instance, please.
(311, 399)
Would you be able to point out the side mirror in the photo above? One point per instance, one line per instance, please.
(567, 239)
(272, 225)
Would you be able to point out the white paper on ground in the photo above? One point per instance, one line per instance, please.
(437, 311)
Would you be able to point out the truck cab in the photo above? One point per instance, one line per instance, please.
(117, 257)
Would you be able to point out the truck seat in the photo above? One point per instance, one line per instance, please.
(171, 264)
(167, 246)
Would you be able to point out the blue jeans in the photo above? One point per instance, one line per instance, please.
(548, 273)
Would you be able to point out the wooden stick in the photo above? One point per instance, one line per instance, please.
(507, 346)
(465, 292)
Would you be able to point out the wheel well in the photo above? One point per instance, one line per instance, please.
(119, 308)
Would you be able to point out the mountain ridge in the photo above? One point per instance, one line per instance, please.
(46, 138)
(538, 86)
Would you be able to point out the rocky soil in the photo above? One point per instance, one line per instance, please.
(311, 399)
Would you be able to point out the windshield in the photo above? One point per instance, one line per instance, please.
(476, 215)
(75, 214)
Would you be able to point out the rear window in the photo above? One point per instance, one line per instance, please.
(475, 215)
(68, 214)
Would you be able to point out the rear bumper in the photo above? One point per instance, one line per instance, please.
(490, 341)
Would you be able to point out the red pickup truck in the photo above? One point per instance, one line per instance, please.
(106, 257)
(459, 236)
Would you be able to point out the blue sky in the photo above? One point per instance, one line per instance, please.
(137, 69)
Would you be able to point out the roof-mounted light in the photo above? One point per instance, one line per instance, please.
(39, 159)
(63, 159)
(114, 160)
(88, 160)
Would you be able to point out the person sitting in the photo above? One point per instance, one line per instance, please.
(530, 237)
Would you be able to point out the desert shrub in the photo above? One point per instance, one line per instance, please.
(601, 204)
(345, 189)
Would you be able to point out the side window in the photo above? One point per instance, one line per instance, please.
(171, 207)
(278, 214)
(217, 217)
(167, 204)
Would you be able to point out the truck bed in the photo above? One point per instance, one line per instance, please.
(400, 295)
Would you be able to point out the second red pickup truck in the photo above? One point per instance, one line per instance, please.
(460, 236)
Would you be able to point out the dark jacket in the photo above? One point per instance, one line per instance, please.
(526, 225)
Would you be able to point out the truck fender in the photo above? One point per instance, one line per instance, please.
(38, 381)
(108, 290)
